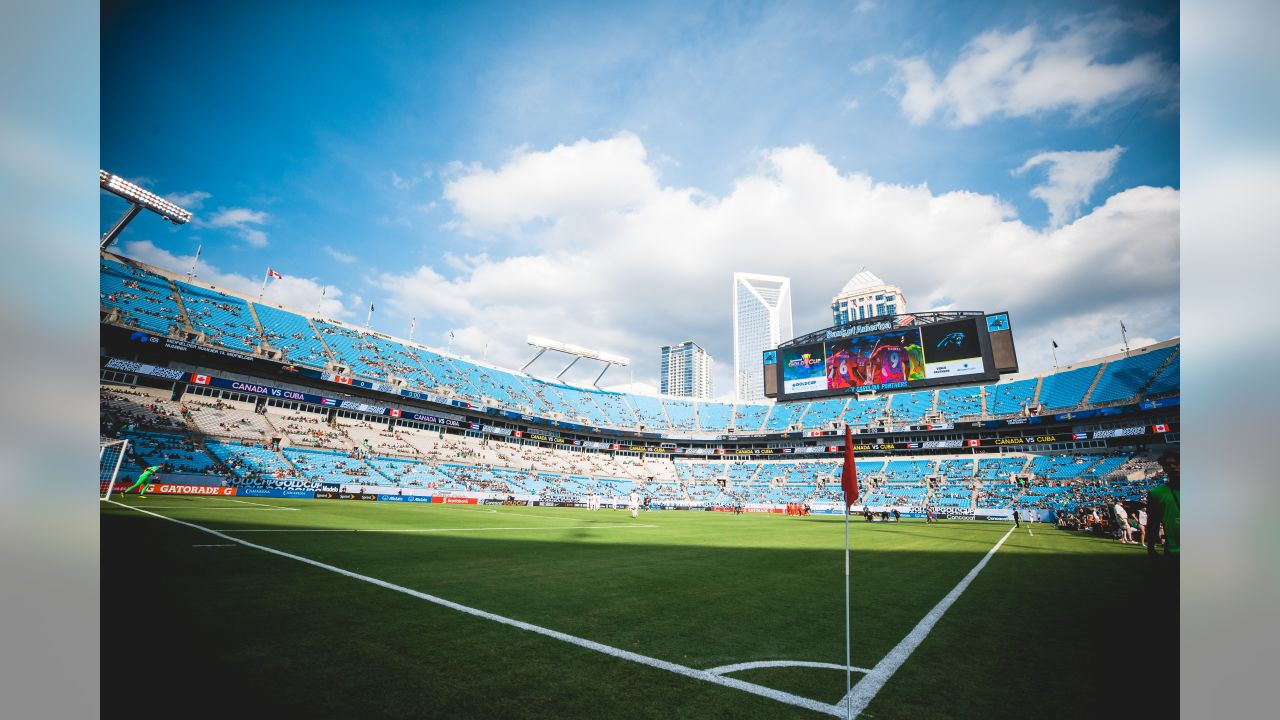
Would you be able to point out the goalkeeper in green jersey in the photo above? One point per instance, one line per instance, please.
(144, 480)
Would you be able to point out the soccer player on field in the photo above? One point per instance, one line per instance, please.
(633, 504)
(144, 480)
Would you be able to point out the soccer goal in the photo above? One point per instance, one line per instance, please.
(110, 457)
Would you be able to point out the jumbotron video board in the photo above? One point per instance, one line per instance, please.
(900, 352)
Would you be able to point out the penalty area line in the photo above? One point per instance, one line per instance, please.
(678, 669)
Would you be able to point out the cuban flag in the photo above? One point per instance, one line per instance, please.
(328, 401)
(200, 379)
(1080, 436)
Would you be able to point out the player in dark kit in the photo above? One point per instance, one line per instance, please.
(1016, 518)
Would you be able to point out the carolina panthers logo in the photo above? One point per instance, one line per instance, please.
(954, 339)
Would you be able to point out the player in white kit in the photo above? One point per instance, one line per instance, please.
(633, 504)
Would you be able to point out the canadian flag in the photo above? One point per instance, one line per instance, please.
(1160, 428)
(342, 379)
(973, 443)
(274, 274)
(394, 412)
(200, 379)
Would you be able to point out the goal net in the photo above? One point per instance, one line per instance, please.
(110, 457)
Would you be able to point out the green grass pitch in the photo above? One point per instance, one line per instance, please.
(194, 624)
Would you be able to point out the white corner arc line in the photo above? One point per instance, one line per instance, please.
(865, 691)
(696, 674)
(756, 664)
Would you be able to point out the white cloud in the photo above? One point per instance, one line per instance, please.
(1072, 176)
(188, 200)
(338, 255)
(864, 6)
(401, 183)
(1027, 72)
(300, 294)
(241, 220)
(610, 258)
(851, 104)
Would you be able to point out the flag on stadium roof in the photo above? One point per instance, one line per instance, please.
(849, 474)
(274, 274)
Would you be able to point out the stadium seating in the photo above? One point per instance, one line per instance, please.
(822, 413)
(960, 403)
(292, 335)
(352, 350)
(714, 416)
(176, 452)
(750, 418)
(864, 412)
(1066, 390)
(682, 414)
(784, 415)
(1169, 379)
(143, 299)
(224, 319)
(1122, 379)
(1010, 398)
(911, 407)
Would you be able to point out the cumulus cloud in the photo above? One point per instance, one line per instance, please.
(243, 222)
(296, 293)
(611, 258)
(1071, 178)
(188, 200)
(1028, 71)
(339, 255)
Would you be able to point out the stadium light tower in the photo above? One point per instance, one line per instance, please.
(139, 199)
(578, 353)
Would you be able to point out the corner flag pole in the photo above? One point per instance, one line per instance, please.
(848, 484)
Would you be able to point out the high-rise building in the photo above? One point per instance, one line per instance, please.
(865, 296)
(686, 371)
(761, 320)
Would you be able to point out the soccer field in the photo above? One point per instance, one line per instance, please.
(369, 609)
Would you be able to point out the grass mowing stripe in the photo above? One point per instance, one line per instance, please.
(865, 691)
(676, 668)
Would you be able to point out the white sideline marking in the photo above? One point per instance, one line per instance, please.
(216, 507)
(738, 667)
(704, 675)
(865, 691)
(427, 530)
(217, 545)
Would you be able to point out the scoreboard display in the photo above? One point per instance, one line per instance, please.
(894, 353)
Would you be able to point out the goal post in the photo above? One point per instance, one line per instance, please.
(110, 456)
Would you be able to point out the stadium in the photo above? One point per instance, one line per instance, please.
(357, 523)
(773, 507)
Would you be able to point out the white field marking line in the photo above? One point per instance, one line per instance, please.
(738, 667)
(246, 502)
(217, 545)
(428, 530)
(532, 515)
(216, 507)
(696, 674)
(865, 691)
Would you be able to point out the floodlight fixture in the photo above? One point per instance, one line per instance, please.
(139, 199)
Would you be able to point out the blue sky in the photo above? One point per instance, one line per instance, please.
(595, 172)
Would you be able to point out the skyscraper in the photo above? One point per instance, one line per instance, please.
(761, 320)
(864, 296)
(686, 371)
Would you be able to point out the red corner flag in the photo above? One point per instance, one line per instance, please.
(849, 475)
